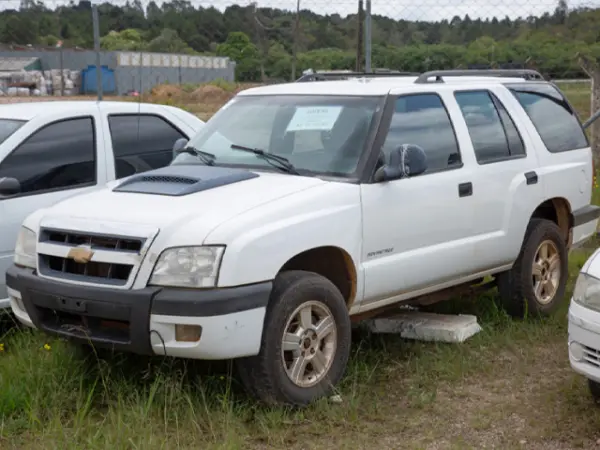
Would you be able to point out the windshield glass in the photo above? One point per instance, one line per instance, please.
(8, 127)
(316, 134)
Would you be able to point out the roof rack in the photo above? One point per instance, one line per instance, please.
(345, 75)
(527, 74)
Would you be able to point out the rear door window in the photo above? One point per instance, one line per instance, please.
(141, 142)
(494, 135)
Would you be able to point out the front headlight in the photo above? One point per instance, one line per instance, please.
(25, 248)
(194, 267)
(587, 291)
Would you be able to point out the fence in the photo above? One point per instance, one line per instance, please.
(164, 51)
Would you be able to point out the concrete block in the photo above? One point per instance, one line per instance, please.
(427, 326)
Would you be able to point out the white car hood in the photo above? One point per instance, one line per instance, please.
(219, 200)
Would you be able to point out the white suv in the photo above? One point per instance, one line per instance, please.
(301, 207)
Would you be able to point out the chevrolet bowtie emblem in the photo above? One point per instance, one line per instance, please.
(81, 254)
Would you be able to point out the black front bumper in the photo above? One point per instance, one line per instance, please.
(119, 318)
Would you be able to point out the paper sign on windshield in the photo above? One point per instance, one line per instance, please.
(314, 118)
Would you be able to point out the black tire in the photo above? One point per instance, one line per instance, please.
(264, 376)
(516, 286)
(594, 390)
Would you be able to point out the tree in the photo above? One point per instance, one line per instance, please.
(240, 49)
(128, 39)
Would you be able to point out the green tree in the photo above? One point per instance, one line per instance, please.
(240, 49)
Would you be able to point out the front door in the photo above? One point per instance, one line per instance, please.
(416, 231)
(57, 161)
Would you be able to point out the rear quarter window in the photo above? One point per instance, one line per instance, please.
(553, 118)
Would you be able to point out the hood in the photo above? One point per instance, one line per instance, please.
(170, 196)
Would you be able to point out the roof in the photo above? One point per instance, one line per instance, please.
(16, 64)
(377, 86)
(29, 110)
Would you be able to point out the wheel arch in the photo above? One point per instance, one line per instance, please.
(331, 262)
(557, 210)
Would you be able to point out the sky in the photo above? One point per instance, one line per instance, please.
(426, 10)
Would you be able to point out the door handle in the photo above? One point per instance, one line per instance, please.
(465, 189)
(531, 177)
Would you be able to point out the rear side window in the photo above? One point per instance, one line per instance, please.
(494, 135)
(552, 116)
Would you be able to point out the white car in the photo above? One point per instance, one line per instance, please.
(301, 207)
(53, 150)
(584, 324)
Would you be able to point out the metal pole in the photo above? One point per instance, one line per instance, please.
(62, 72)
(368, 37)
(592, 119)
(96, 25)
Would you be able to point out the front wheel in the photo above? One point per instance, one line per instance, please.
(305, 344)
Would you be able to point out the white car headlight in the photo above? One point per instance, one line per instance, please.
(25, 248)
(194, 267)
(587, 291)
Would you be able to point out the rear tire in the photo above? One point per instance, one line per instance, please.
(536, 283)
(305, 344)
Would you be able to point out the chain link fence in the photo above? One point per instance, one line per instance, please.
(199, 53)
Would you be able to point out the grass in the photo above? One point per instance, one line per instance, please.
(508, 387)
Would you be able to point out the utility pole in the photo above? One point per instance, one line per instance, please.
(296, 37)
(368, 37)
(96, 27)
(359, 37)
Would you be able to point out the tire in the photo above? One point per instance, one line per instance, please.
(594, 390)
(517, 287)
(268, 375)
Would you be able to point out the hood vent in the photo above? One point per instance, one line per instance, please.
(181, 180)
(167, 179)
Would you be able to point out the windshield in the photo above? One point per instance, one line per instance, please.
(316, 134)
(8, 127)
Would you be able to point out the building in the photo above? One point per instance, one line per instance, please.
(133, 71)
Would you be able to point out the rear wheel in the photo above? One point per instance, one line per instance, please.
(305, 345)
(536, 283)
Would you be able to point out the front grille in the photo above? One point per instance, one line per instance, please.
(591, 356)
(95, 241)
(54, 262)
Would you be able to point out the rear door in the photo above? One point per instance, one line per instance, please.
(507, 185)
(56, 159)
(564, 153)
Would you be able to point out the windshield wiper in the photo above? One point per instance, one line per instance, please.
(280, 162)
(207, 158)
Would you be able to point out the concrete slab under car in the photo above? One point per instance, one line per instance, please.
(426, 326)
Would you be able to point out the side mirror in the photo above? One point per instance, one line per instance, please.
(9, 186)
(405, 161)
(179, 145)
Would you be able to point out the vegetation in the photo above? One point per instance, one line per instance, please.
(508, 387)
(261, 41)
